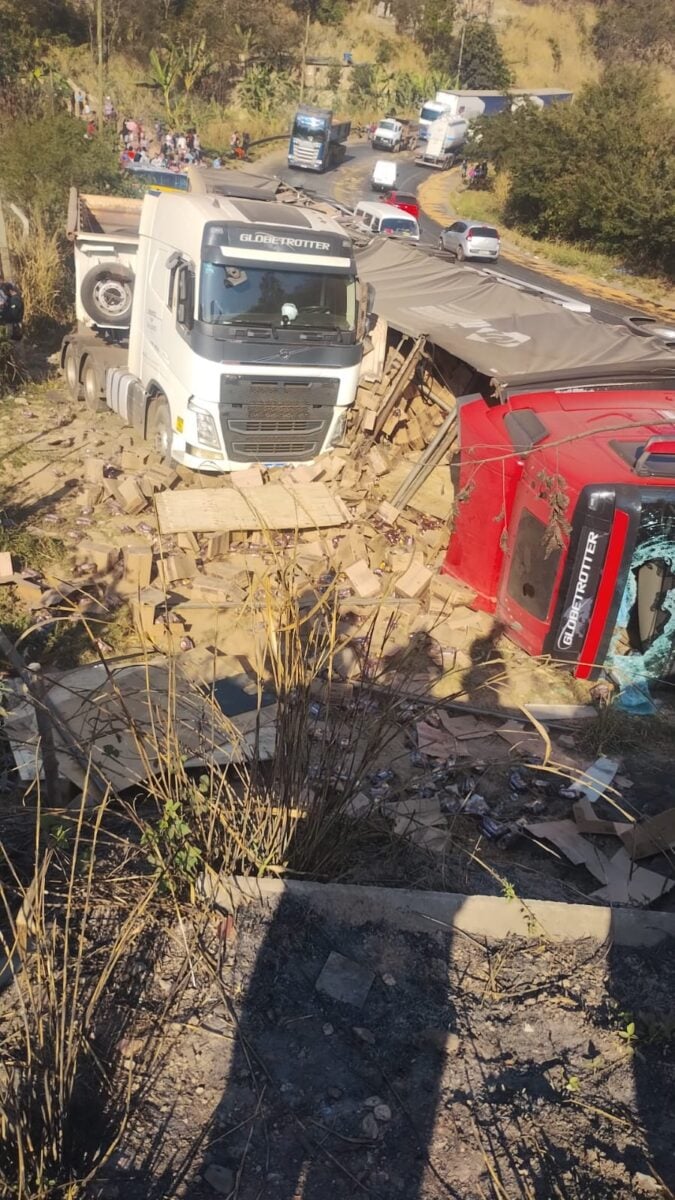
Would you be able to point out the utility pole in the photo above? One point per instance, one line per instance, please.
(461, 52)
(99, 47)
(305, 44)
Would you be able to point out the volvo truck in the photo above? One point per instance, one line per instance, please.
(225, 330)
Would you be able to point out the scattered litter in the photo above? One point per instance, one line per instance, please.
(597, 778)
(344, 980)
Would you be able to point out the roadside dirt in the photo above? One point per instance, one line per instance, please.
(468, 1071)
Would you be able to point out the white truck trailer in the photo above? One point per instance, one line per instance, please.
(225, 330)
(445, 142)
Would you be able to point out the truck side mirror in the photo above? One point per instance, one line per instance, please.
(185, 297)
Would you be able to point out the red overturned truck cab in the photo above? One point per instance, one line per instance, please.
(564, 477)
(568, 539)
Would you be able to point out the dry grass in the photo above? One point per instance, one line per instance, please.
(40, 269)
(66, 949)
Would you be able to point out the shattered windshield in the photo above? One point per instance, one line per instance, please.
(644, 638)
(281, 297)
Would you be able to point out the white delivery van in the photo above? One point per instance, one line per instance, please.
(383, 178)
(374, 217)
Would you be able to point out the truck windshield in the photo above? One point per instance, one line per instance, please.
(388, 125)
(312, 131)
(233, 295)
(430, 113)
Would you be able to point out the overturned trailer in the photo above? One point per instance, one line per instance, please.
(564, 474)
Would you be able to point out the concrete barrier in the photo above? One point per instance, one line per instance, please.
(489, 917)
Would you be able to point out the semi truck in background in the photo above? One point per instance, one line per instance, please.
(472, 104)
(395, 134)
(317, 141)
(226, 330)
(444, 143)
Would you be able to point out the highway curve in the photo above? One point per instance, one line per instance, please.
(349, 183)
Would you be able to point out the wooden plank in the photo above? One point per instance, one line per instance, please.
(433, 497)
(275, 506)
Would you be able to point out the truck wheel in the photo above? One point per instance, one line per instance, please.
(92, 388)
(159, 431)
(106, 294)
(71, 371)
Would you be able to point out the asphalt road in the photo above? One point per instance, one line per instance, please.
(349, 183)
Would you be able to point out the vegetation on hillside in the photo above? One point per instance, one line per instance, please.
(596, 173)
(599, 172)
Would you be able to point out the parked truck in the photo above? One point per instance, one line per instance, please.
(445, 141)
(317, 141)
(564, 473)
(395, 134)
(472, 104)
(225, 330)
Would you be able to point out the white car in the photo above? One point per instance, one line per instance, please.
(470, 239)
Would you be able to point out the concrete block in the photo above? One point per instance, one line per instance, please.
(6, 567)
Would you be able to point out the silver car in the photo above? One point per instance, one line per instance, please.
(470, 239)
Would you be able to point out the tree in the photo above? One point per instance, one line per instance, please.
(264, 89)
(600, 171)
(40, 160)
(482, 60)
(325, 12)
(643, 32)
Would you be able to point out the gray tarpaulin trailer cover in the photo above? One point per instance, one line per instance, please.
(516, 338)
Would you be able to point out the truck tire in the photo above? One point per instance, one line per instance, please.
(91, 387)
(107, 294)
(159, 431)
(71, 372)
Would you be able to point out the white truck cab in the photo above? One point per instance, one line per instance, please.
(245, 337)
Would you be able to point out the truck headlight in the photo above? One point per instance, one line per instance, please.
(207, 434)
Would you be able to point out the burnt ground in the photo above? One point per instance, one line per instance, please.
(468, 1072)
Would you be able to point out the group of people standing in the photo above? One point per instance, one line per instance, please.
(474, 174)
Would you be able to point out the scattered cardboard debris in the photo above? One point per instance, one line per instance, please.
(656, 835)
(363, 580)
(587, 821)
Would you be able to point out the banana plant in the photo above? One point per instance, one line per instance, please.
(166, 68)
